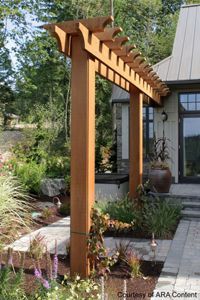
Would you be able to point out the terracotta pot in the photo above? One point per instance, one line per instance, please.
(160, 180)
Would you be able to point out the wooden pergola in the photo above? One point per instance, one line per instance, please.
(94, 48)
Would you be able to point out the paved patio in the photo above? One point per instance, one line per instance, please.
(190, 190)
(180, 277)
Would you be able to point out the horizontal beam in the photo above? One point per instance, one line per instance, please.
(102, 53)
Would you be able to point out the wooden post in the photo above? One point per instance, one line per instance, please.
(136, 140)
(82, 156)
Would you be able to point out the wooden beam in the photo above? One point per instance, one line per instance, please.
(82, 156)
(136, 141)
(108, 34)
(101, 52)
(125, 50)
(108, 73)
(93, 24)
(117, 43)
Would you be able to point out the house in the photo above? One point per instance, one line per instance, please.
(181, 72)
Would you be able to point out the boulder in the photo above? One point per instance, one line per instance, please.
(53, 186)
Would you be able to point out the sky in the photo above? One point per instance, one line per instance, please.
(32, 26)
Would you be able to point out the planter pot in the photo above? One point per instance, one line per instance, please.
(160, 180)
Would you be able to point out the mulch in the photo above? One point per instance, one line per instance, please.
(137, 288)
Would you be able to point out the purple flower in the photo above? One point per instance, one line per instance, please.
(37, 273)
(45, 284)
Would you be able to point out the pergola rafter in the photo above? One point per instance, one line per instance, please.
(95, 48)
(122, 61)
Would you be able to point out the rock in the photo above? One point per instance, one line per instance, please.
(53, 186)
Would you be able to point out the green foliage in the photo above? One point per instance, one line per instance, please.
(65, 209)
(57, 166)
(71, 289)
(123, 210)
(161, 218)
(30, 175)
(14, 207)
(11, 285)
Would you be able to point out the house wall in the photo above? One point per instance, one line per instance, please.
(122, 126)
(170, 129)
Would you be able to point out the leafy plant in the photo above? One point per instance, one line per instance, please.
(57, 166)
(71, 289)
(123, 210)
(30, 174)
(161, 218)
(133, 261)
(65, 209)
(11, 284)
(100, 262)
(14, 207)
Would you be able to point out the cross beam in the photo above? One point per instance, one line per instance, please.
(94, 48)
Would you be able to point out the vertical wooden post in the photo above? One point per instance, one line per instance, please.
(136, 140)
(82, 156)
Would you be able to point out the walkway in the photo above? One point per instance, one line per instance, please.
(190, 190)
(60, 231)
(181, 272)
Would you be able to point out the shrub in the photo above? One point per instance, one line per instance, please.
(161, 218)
(30, 174)
(14, 207)
(122, 210)
(65, 209)
(58, 166)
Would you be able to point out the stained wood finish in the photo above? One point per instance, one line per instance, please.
(101, 43)
(82, 156)
(136, 141)
(93, 47)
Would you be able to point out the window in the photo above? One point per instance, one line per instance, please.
(148, 130)
(189, 102)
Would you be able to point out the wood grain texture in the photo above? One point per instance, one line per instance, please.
(136, 140)
(82, 156)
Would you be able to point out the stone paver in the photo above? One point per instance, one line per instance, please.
(181, 272)
(60, 231)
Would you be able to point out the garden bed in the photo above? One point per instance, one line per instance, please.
(113, 284)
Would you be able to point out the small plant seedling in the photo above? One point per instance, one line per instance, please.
(133, 261)
(37, 247)
(122, 249)
(47, 213)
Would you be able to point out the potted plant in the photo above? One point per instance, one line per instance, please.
(160, 175)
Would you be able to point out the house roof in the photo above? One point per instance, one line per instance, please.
(183, 65)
